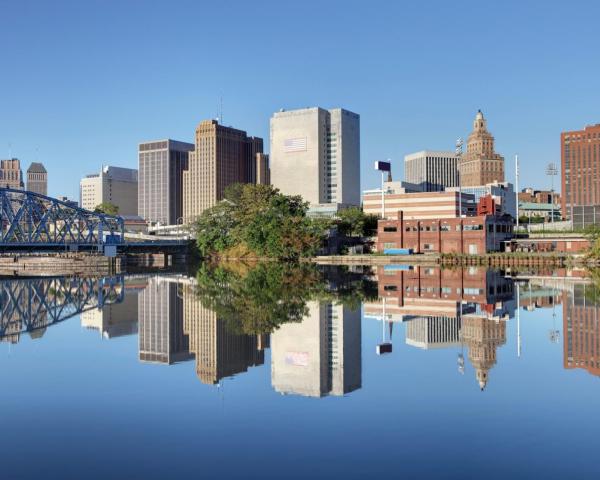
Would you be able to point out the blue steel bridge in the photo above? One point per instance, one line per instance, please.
(29, 305)
(33, 222)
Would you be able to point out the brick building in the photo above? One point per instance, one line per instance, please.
(470, 235)
(580, 175)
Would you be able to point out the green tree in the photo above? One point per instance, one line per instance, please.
(107, 208)
(353, 221)
(215, 229)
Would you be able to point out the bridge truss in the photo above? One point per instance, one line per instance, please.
(33, 219)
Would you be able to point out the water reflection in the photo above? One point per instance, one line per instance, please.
(225, 318)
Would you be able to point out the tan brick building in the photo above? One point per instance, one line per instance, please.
(480, 164)
(11, 175)
(223, 155)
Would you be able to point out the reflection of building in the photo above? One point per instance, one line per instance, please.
(581, 330)
(320, 355)
(219, 352)
(433, 332)
(482, 337)
(480, 164)
(161, 336)
(113, 320)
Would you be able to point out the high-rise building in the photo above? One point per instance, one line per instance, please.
(115, 185)
(160, 189)
(431, 171)
(581, 330)
(319, 356)
(580, 175)
(11, 175)
(222, 156)
(263, 172)
(160, 315)
(315, 153)
(428, 332)
(37, 178)
(219, 352)
(480, 164)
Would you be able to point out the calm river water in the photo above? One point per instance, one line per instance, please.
(281, 372)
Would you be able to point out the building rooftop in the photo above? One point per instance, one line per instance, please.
(37, 167)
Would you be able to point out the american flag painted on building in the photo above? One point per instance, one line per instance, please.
(294, 144)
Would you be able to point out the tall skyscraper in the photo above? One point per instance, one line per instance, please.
(480, 164)
(222, 156)
(319, 356)
(315, 153)
(11, 175)
(115, 185)
(580, 175)
(161, 336)
(37, 178)
(431, 171)
(160, 188)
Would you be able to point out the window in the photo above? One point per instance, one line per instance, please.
(390, 288)
(390, 229)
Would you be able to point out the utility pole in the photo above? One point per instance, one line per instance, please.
(459, 151)
(552, 171)
(517, 189)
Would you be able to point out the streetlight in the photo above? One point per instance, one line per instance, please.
(552, 171)
(459, 151)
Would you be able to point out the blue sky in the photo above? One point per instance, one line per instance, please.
(82, 82)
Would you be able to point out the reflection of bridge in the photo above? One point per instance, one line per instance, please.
(27, 305)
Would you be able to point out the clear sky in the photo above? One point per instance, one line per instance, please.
(82, 82)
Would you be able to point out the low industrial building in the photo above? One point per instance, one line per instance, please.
(470, 235)
(417, 205)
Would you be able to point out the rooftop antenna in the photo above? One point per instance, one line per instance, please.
(9, 150)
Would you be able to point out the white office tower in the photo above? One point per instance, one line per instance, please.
(315, 153)
(319, 356)
(431, 171)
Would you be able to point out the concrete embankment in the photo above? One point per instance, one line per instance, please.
(46, 264)
(492, 260)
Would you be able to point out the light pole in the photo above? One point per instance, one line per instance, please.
(552, 171)
(383, 167)
(517, 191)
(459, 151)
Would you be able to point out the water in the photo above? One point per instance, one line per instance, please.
(174, 376)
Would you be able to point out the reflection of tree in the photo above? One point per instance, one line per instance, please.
(257, 299)
(592, 293)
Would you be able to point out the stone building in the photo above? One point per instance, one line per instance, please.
(11, 175)
(222, 156)
(480, 164)
(37, 178)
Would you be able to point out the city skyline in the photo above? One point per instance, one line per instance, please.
(102, 106)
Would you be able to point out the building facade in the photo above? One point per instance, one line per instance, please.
(502, 193)
(222, 156)
(468, 235)
(417, 205)
(480, 164)
(160, 188)
(115, 185)
(315, 153)
(431, 171)
(11, 175)
(37, 178)
(580, 175)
